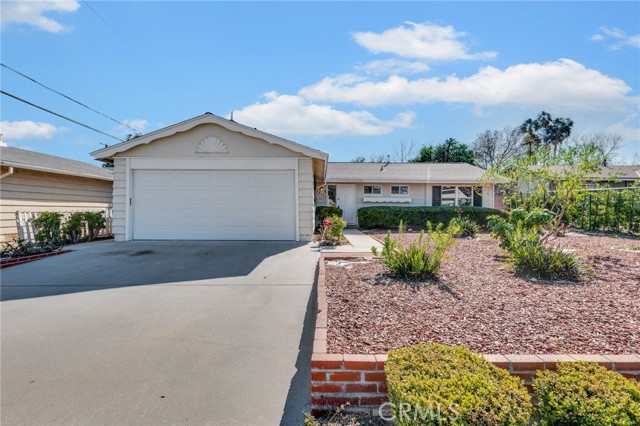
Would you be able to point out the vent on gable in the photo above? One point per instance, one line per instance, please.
(212, 145)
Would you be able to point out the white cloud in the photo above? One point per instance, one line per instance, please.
(292, 115)
(33, 13)
(616, 37)
(424, 41)
(393, 66)
(28, 130)
(139, 124)
(563, 85)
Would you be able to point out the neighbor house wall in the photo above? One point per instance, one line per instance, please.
(28, 190)
(119, 198)
(306, 206)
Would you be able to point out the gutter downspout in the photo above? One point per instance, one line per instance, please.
(9, 173)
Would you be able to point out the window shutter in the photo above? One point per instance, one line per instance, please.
(437, 196)
(477, 198)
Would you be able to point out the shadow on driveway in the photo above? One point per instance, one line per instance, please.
(121, 264)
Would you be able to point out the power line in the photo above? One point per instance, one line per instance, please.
(111, 28)
(58, 115)
(65, 96)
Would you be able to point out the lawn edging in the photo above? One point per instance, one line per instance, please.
(13, 261)
(359, 380)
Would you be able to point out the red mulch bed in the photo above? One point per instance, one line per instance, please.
(477, 302)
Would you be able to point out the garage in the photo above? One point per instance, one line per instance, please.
(213, 205)
(212, 178)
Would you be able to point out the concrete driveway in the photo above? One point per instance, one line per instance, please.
(159, 333)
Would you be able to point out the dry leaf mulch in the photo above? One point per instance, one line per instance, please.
(477, 302)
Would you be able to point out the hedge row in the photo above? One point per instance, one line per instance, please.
(327, 211)
(390, 216)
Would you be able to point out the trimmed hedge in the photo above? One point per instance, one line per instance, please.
(434, 384)
(327, 211)
(586, 394)
(390, 216)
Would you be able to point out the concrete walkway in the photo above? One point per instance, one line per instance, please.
(358, 242)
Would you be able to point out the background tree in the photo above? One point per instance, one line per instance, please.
(358, 160)
(405, 152)
(492, 148)
(451, 151)
(606, 144)
(545, 131)
(379, 158)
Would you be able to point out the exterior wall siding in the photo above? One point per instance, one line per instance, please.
(306, 204)
(27, 190)
(119, 198)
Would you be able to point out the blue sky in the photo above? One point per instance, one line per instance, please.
(349, 78)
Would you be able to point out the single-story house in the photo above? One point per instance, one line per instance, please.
(209, 178)
(35, 182)
(614, 177)
(351, 186)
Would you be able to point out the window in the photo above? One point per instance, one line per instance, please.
(372, 189)
(448, 197)
(464, 196)
(477, 196)
(400, 190)
(331, 195)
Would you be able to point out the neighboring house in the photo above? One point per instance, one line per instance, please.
(35, 182)
(209, 178)
(351, 186)
(615, 177)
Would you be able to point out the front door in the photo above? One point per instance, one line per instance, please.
(346, 200)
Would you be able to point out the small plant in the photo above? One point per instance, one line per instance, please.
(332, 228)
(73, 226)
(422, 259)
(96, 222)
(548, 262)
(434, 384)
(21, 248)
(462, 226)
(586, 394)
(47, 226)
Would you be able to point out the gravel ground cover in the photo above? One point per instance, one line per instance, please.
(479, 303)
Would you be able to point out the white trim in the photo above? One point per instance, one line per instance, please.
(55, 171)
(392, 199)
(297, 199)
(227, 163)
(128, 229)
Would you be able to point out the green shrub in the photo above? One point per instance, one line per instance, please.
(463, 227)
(422, 259)
(416, 217)
(96, 222)
(327, 211)
(337, 226)
(586, 394)
(73, 226)
(47, 226)
(433, 384)
(530, 257)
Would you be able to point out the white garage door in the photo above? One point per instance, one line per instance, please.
(213, 205)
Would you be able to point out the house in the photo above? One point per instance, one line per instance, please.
(351, 186)
(35, 182)
(614, 177)
(209, 178)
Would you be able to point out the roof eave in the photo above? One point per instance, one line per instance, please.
(56, 171)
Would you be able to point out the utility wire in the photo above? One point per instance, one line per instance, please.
(111, 28)
(65, 96)
(58, 115)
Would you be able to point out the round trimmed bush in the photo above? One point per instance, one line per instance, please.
(434, 384)
(586, 394)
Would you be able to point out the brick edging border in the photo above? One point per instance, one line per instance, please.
(5, 263)
(359, 380)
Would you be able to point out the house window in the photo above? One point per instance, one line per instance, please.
(331, 195)
(464, 196)
(448, 197)
(477, 196)
(400, 190)
(372, 189)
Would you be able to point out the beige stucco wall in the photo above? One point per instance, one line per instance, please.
(28, 190)
(184, 146)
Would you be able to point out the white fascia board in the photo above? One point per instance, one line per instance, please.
(56, 171)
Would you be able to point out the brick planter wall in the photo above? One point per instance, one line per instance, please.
(5, 263)
(359, 380)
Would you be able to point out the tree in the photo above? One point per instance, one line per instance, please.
(606, 144)
(492, 148)
(358, 160)
(451, 151)
(405, 152)
(545, 131)
(379, 158)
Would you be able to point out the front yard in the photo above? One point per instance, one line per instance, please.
(477, 302)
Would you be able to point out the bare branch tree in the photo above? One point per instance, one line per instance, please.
(606, 144)
(379, 158)
(358, 160)
(493, 148)
(405, 152)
